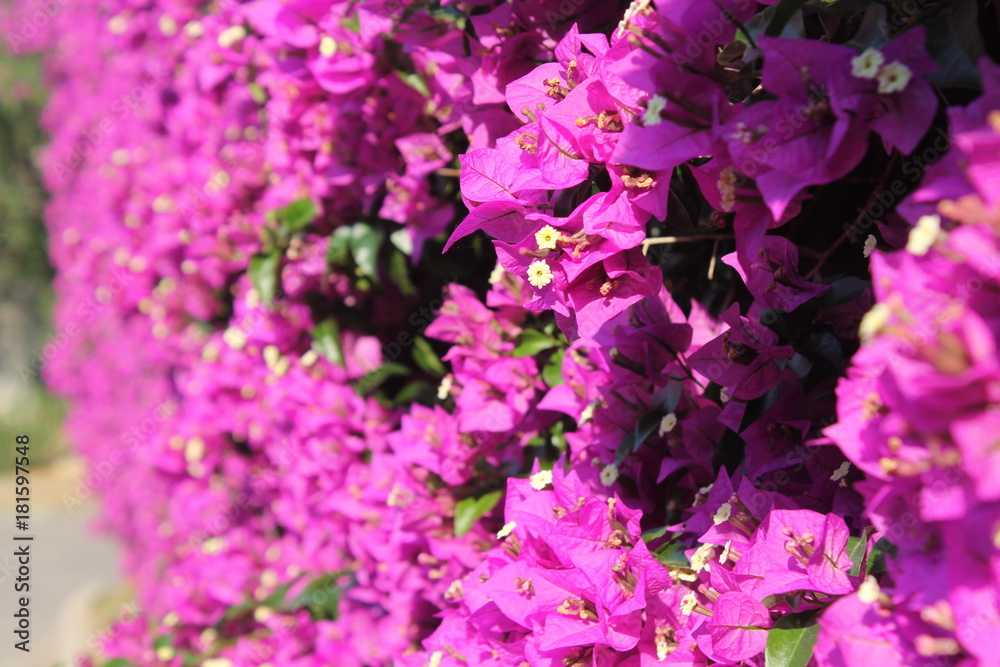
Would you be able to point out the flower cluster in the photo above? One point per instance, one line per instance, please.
(652, 423)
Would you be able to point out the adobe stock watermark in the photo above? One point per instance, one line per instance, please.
(85, 313)
(123, 106)
(883, 200)
(100, 473)
(31, 23)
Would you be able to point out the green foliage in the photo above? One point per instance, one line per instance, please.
(470, 510)
(790, 642)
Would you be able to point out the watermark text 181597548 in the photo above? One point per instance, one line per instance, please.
(22, 544)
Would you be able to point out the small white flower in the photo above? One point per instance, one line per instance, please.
(725, 551)
(445, 389)
(668, 423)
(893, 78)
(873, 322)
(546, 237)
(688, 603)
(923, 237)
(165, 653)
(867, 64)
(700, 558)
(327, 46)
(231, 36)
(727, 188)
(168, 26)
(194, 450)
(194, 29)
(652, 116)
(869, 245)
(507, 529)
(637, 7)
(309, 358)
(539, 273)
(118, 25)
(435, 659)
(724, 395)
(841, 472)
(609, 474)
(497, 274)
(540, 479)
(869, 590)
(722, 515)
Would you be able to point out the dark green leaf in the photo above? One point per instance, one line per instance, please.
(411, 392)
(371, 381)
(297, 215)
(322, 596)
(757, 407)
(426, 358)
(365, 243)
(823, 346)
(399, 273)
(671, 554)
(163, 641)
(644, 428)
(654, 534)
(844, 290)
(783, 13)
(552, 372)
(326, 341)
(118, 662)
(954, 42)
(338, 249)
(533, 342)
(790, 642)
(264, 274)
(470, 510)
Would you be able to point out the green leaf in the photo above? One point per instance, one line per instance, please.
(399, 273)
(118, 662)
(533, 342)
(877, 556)
(402, 240)
(644, 428)
(856, 549)
(671, 554)
(416, 82)
(338, 249)
(470, 510)
(411, 392)
(297, 215)
(326, 341)
(552, 372)
(371, 381)
(322, 596)
(426, 358)
(365, 243)
(654, 534)
(264, 274)
(783, 13)
(790, 642)
(163, 641)
(258, 93)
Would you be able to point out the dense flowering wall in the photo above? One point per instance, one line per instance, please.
(436, 333)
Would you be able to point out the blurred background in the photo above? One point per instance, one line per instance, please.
(75, 592)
